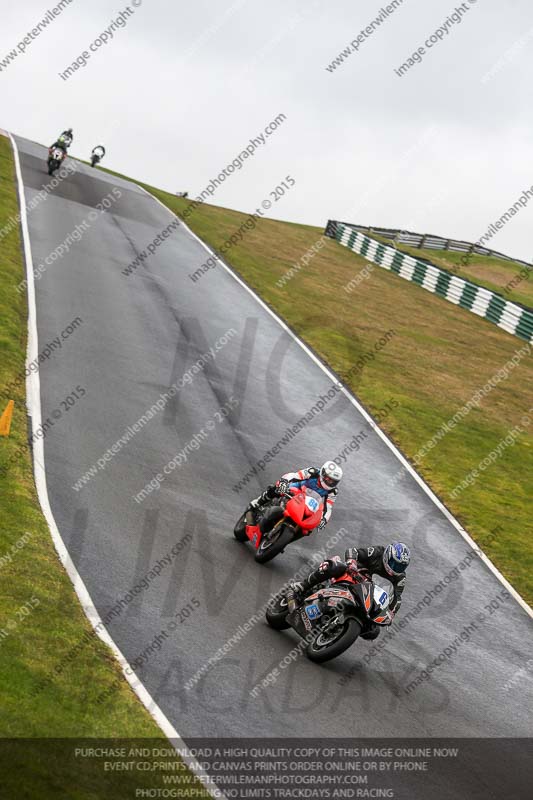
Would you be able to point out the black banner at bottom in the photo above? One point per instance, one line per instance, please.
(268, 769)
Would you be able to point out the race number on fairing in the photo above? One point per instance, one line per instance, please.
(311, 504)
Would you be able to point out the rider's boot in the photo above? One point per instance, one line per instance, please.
(264, 498)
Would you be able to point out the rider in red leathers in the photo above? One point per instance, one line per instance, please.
(324, 481)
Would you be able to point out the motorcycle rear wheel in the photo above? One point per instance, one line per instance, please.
(324, 648)
(239, 531)
(270, 548)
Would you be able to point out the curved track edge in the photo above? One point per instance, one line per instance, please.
(33, 403)
(362, 410)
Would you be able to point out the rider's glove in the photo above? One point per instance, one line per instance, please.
(282, 486)
(322, 524)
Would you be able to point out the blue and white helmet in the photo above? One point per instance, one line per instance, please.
(396, 558)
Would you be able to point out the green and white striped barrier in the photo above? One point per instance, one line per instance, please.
(513, 318)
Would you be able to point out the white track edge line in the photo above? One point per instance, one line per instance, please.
(33, 401)
(414, 474)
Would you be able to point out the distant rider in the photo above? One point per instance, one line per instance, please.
(98, 151)
(323, 481)
(388, 562)
(64, 141)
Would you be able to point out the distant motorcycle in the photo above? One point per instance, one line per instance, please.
(283, 521)
(331, 618)
(97, 155)
(56, 156)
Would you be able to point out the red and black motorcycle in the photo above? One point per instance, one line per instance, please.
(285, 520)
(331, 619)
(56, 156)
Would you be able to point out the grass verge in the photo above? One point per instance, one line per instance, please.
(42, 624)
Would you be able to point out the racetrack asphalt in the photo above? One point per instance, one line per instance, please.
(139, 334)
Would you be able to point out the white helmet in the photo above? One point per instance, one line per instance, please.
(330, 475)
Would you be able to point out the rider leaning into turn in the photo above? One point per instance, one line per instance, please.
(388, 562)
(323, 481)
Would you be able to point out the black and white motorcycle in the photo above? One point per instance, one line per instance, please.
(97, 155)
(332, 618)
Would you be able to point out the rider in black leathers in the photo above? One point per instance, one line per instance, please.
(388, 562)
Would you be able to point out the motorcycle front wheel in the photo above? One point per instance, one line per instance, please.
(273, 544)
(327, 645)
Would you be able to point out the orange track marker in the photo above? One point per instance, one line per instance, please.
(5, 419)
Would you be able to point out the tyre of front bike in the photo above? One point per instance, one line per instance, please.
(267, 550)
(320, 653)
(239, 531)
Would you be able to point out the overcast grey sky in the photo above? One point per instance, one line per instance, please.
(181, 89)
